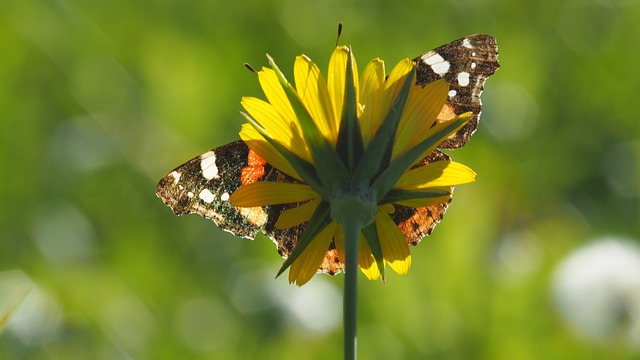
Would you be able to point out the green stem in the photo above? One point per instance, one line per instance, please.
(352, 229)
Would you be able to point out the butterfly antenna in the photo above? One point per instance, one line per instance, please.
(248, 66)
(339, 33)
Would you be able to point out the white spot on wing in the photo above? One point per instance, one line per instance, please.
(176, 176)
(224, 196)
(452, 93)
(463, 78)
(208, 165)
(473, 65)
(439, 65)
(206, 196)
(467, 44)
(189, 194)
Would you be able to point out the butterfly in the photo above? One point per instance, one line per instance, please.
(204, 184)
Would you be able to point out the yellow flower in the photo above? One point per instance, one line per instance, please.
(304, 131)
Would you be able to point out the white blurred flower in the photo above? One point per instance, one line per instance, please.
(26, 310)
(597, 290)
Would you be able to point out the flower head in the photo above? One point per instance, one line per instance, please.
(358, 147)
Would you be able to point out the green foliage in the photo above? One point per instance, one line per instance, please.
(100, 99)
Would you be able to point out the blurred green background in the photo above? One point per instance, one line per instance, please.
(99, 99)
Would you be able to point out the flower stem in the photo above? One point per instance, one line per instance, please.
(352, 229)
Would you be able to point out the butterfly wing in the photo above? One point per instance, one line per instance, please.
(466, 64)
(204, 184)
(416, 223)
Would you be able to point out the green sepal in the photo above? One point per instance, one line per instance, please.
(319, 220)
(402, 163)
(306, 170)
(350, 146)
(371, 235)
(377, 156)
(396, 195)
(328, 163)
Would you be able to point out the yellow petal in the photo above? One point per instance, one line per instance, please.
(424, 202)
(439, 173)
(297, 215)
(336, 81)
(269, 119)
(284, 131)
(366, 261)
(257, 143)
(394, 82)
(270, 193)
(378, 105)
(439, 127)
(307, 264)
(275, 94)
(372, 79)
(371, 88)
(395, 249)
(420, 112)
(313, 93)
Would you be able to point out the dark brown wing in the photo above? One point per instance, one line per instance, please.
(465, 63)
(203, 185)
(417, 223)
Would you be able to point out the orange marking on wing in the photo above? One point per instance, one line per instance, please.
(447, 113)
(254, 169)
(331, 263)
